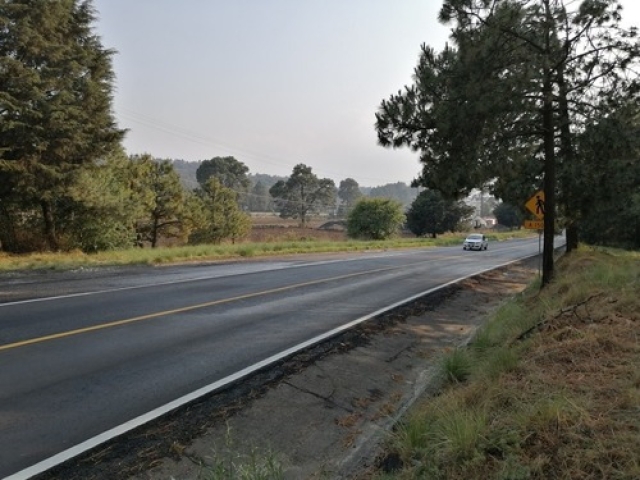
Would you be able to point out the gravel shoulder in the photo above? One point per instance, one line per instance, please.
(324, 413)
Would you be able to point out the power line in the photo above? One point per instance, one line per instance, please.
(175, 130)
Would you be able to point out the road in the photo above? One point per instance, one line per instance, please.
(85, 353)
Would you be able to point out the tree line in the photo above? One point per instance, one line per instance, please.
(529, 95)
(66, 182)
(123, 200)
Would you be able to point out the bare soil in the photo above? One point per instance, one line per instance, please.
(323, 413)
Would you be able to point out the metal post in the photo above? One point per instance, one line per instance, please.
(540, 253)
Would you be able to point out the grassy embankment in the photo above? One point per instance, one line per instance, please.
(549, 388)
(283, 241)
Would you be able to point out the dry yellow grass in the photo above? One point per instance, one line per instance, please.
(570, 409)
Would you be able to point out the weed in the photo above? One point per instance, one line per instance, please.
(229, 464)
(246, 252)
(457, 365)
(461, 433)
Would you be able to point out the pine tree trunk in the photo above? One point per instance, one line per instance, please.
(549, 181)
(567, 157)
(49, 226)
(549, 154)
(154, 232)
(572, 237)
(8, 242)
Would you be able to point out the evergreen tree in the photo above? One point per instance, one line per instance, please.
(525, 73)
(303, 193)
(259, 199)
(221, 216)
(349, 193)
(55, 102)
(102, 208)
(162, 200)
(608, 152)
(508, 215)
(231, 173)
(432, 214)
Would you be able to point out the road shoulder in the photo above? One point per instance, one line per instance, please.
(328, 416)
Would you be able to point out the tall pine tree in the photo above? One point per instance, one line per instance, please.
(505, 104)
(302, 194)
(56, 85)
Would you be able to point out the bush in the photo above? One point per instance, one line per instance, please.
(375, 219)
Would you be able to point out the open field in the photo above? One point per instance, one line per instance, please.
(270, 236)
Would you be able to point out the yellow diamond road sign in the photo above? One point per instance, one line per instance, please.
(536, 205)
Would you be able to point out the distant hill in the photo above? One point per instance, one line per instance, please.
(399, 191)
(267, 180)
(187, 172)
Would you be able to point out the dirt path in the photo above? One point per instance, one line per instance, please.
(322, 414)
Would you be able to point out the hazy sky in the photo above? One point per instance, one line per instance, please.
(273, 83)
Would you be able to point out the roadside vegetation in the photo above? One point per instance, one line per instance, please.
(548, 388)
(226, 464)
(281, 241)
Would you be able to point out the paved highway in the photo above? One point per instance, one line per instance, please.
(89, 352)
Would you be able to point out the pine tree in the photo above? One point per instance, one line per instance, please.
(221, 216)
(231, 173)
(55, 102)
(102, 208)
(432, 214)
(524, 77)
(303, 193)
(349, 193)
(259, 199)
(164, 208)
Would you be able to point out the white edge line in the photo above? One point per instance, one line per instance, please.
(121, 429)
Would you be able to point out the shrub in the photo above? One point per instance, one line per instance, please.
(375, 218)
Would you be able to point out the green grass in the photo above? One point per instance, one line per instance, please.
(562, 402)
(206, 253)
(457, 365)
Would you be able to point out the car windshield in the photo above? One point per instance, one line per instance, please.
(475, 236)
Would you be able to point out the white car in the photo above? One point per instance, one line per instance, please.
(475, 241)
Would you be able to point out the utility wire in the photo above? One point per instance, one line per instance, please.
(175, 130)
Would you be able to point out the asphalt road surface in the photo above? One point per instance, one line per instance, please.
(88, 352)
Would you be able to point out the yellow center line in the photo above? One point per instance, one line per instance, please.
(150, 316)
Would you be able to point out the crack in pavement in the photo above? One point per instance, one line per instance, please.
(321, 397)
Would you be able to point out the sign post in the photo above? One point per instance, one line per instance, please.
(536, 206)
